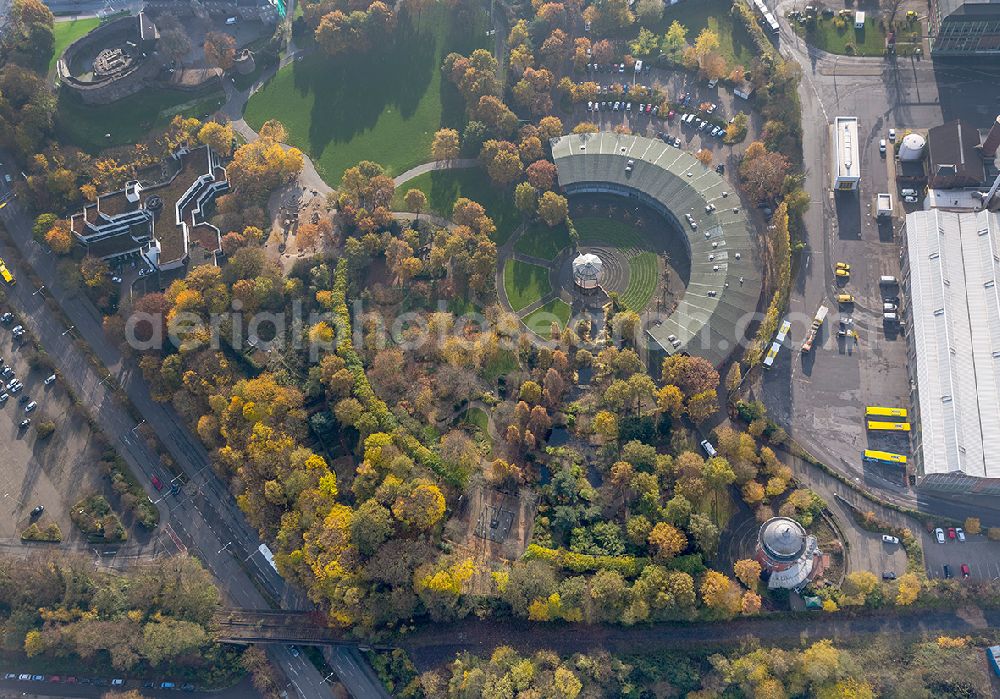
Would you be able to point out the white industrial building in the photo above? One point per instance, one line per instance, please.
(950, 270)
(845, 154)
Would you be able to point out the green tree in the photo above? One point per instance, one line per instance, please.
(676, 39)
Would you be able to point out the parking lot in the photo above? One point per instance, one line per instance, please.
(676, 85)
(979, 553)
(53, 472)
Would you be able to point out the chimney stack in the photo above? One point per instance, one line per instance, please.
(992, 140)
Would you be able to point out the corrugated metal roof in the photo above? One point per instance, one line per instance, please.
(955, 310)
(723, 289)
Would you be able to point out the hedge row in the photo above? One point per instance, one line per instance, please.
(628, 566)
(364, 392)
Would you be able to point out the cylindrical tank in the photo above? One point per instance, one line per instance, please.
(912, 147)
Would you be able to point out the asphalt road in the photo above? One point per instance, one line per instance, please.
(204, 516)
(818, 397)
(39, 690)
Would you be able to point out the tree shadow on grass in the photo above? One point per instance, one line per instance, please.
(528, 282)
(352, 92)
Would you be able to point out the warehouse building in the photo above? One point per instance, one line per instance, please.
(950, 270)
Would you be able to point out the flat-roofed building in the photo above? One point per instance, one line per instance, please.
(950, 270)
(966, 28)
(846, 158)
(161, 221)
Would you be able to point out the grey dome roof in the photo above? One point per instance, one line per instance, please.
(783, 539)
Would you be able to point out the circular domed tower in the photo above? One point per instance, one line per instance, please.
(587, 271)
(788, 555)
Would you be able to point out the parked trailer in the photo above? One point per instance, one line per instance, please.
(779, 340)
(814, 328)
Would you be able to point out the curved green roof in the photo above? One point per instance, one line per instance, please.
(725, 282)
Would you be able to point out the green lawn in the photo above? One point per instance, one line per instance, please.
(608, 231)
(443, 187)
(735, 44)
(643, 274)
(477, 417)
(869, 41)
(384, 105)
(129, 120)
(643, 263)
(66, 33)
(525, 283)
(540, 320)
(539, 240)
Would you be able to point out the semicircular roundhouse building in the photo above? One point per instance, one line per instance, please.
(725, 282)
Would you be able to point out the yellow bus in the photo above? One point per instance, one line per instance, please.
(893, 426)
(884, 457)
(5, 273)
(876, 411)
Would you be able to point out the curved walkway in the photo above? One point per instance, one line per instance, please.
(454, 164)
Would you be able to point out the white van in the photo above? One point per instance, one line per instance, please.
(888, 307)
(231, 21)
(890, 317)
(908, 192)
(887, 280)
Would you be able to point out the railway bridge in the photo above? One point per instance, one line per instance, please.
(278, 626)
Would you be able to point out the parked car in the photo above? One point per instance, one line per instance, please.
(6, 317)
(892, 135)
(721, 169)
(50, 380)
(947, 571)
(39, 509)
(960, 533)
(907, 192)
(30, 406)
(888, 575)
(709, 449)
(70, 680)
(910, 199)
(23, 424)
(38, 678)
(55, 678)
(965, 570)
(10, 676)
(951, 533)
(7, 372)
(16, 387)
(23, 677)
(889, 539)
(157, 483)
(939, 535)
(117, 682)
(294, 651)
